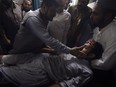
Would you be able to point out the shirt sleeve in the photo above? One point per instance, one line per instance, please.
(41, 32)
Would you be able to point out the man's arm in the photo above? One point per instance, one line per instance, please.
(40, 31)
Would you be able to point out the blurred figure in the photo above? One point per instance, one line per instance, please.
(10, 18)
(80, 29)
(58, 28)
(26, 6)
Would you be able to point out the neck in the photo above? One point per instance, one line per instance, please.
(105, 24)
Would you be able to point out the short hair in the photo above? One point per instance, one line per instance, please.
(97, 50)
(50, 3)
(108, 6)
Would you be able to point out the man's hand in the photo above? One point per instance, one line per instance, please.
(46, 50)
(76, 51)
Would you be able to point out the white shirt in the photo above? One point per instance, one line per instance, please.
(107, 38)
(58, 28)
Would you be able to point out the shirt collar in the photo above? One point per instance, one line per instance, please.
(44, 18)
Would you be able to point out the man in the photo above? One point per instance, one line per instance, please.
(30, 69)
(102, 18)
(26, 6)
(58, 28)
(80, 30)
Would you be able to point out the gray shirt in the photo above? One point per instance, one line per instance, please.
(33, 35)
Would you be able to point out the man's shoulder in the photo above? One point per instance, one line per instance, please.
(30, 14)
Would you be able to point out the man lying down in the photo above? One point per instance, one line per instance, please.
(41, 70)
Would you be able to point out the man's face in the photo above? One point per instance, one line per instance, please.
(27, 5)
(97, 16)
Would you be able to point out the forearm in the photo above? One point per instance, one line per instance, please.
(46, 50)
(44, 36)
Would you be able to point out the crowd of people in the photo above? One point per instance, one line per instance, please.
(58, 45)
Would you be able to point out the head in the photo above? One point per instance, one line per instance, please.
(82, 3)
(94, 47)
(62, 4)
(102, 13)
(26, 5)
(97, 50)
(49, 8)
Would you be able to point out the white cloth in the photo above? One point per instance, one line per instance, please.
(107, 38)
(59, 27)
(39, 69)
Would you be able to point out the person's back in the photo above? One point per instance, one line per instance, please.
(58, 28)
(10, 21)
(25, 7)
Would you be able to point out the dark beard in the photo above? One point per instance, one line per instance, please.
(26, 10)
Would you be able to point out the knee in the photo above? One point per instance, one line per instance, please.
(8, 60)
